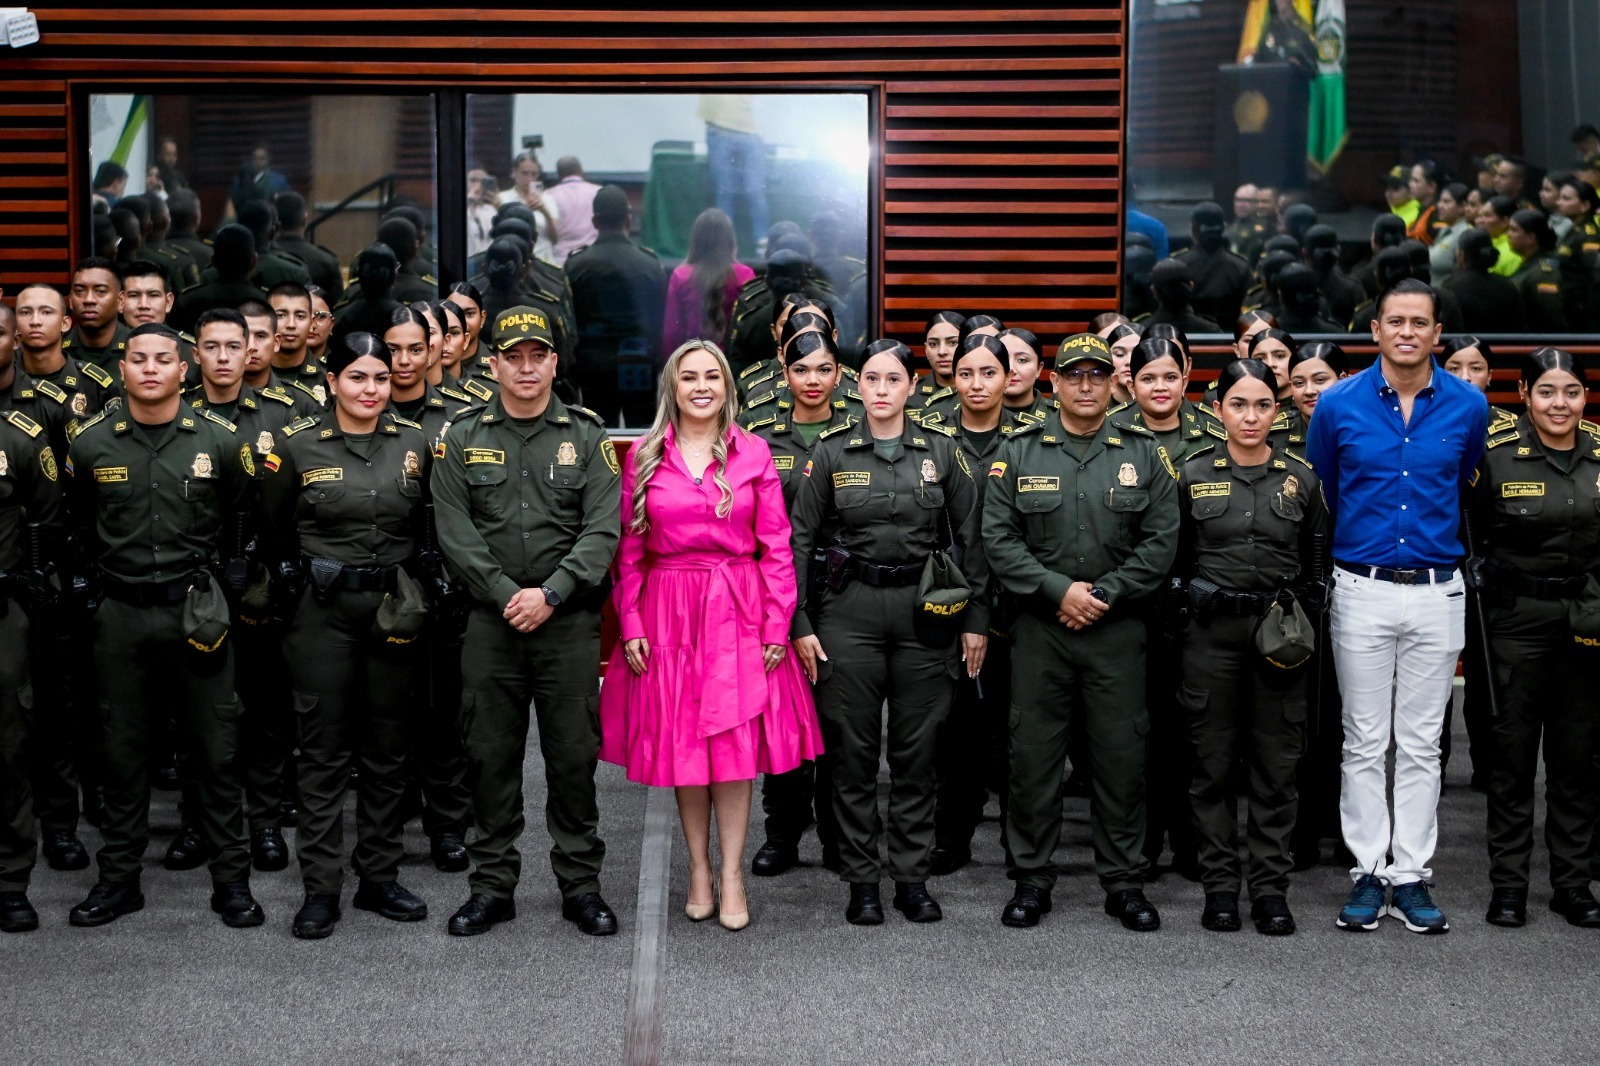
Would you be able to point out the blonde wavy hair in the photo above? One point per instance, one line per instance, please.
(651, 449)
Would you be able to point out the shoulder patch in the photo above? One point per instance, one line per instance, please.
(24, 423)
(52, 390)
(1504, 438)
(1166, 461)
(1024, 428)
(406, 422)
(274, 392)
(761, 423)
(77, 428)
(299, 424)
(211, 416)
(847, 424)
(96, 375)
(947, 431)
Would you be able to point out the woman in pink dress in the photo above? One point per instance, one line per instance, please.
(706, 694)
(701, 292)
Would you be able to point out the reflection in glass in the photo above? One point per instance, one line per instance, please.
(640, 220)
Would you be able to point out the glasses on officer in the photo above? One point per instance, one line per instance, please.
(1077, 375)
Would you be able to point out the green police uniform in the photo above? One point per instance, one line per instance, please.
(792, 800)
(357, 314)
(776, 401)
(1221, 279)
(30, 492)
(195, 301)
(1058, 510)
(1538, 281)
(272, 269)
(1577, 253)
(1170, 756)
(154, 507)
(1250, 531)
(105, 357)
(889, 512)
(89, 388)
(924, 392)
(525, 505)
(351, 506)
(321, 263)
(266, 733)
(1534, 514)
(619, 294)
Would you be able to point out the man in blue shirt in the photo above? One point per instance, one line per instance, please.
(1394, 446)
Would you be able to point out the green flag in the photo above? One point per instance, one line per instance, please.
(1326, 132)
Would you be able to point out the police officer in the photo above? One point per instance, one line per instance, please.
(528, 493)
(1533, 509)
(792, 426)
(292, 362)
(158, 493)
(1538, 279)
(437, 765)
(368, 304)
(321, 263)
(273, 268)
(761, 378)
(342, 502)
(94, 300)
(877, 498)
(31, 526)
(972, 740)
(1577, 250)
(940, 340)
(1080, 522)
(619, 294)
(233, 260)
(42, 322)
(1220, 277)
(775, 388)
(1253, 522)
(266, 734)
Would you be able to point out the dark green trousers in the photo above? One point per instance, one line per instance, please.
(1058, 675)
(352, 701)
(146, 669)
(557, 668)
(267, 731)
(437, 766)
(792, 801)
(972, 749)
(19, 839)
(1242, 712)
(873, 657)
(1546, 677)
(62, 745)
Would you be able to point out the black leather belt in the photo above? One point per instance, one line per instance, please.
(1431, 576)
(1227, 601)
(886, 576)
(152, 594)
(1535, 587)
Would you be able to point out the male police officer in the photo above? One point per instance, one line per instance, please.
(1080, 521)
(528, 494)
(154, 491)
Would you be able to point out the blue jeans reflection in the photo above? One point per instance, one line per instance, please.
(739, 169)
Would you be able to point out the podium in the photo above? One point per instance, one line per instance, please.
(1261, 127)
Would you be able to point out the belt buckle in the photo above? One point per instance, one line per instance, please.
(1407, 577)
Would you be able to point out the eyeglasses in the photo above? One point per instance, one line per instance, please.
(1077, 375)
(320, 315)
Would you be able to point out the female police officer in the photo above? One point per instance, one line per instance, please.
(880, 497)
(343, 503)
(1252, 518)
(1535, 506)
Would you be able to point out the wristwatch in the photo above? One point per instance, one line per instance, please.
(550, 596)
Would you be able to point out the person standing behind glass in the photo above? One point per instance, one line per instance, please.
(343, 506)
(1080, 521)
(878, 498)
(1253, 520)
(737, 158)
(702, 289)
(1450, 213)
(1534, 508)
(1394, 446)
(792, 800)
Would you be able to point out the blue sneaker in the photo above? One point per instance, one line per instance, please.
(1414, 905)
(1365, 906)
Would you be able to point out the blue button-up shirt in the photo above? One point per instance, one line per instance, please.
(1393, 488)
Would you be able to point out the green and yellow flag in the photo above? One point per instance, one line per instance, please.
(1326, 132)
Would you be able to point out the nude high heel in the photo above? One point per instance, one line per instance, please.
(699, 912)
(735, 922)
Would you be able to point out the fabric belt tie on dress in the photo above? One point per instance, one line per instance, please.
(716, 666)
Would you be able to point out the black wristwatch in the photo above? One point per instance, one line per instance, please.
(550, 596)
(1100, 594)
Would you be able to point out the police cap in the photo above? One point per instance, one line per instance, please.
(521, 323)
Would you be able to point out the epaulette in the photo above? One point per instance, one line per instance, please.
(762, 422)
(591, 414)
(1119, 407)
(1302, 460)
(24, 423)
(478, 389)
(182, 336)
(755, 367)
(850, 372)
(275, 392)
(1133, 427)
(1504, 438)
(934, 427)
(404, 421)
(943, 393)
(1206, 449)
(430, 279)
(759, 400)
(1588, 426)
(1024, 428)
(97, 375)
(52, 390)
(849, 423)
(76, 429)
(298, 424)
(212, 416)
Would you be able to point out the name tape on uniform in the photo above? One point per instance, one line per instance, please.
(326, 473)
(483, 455)
(1511, 490)
(783, 462)
(1038, 484)
(1210, 488)
(108, 474)
(847, 479)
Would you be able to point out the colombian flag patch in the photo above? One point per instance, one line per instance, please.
(997, 470)
(807, 471)
(271, 462)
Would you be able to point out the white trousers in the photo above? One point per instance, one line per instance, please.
(1395, 649)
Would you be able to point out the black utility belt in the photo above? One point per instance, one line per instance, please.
(1536, 587)
(148, 594)
(878, 576)
(1210, 599)
(328, 575)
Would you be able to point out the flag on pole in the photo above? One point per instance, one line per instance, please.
(1326, 132)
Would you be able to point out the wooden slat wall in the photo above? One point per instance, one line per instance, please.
(1001, 127)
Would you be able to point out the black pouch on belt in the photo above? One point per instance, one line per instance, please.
(324, 572)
